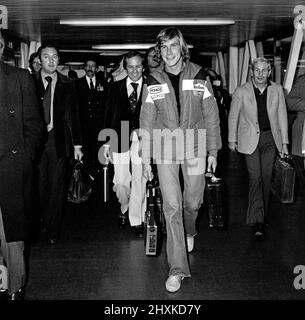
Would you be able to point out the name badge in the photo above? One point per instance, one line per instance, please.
(198, 88)
(158, 91)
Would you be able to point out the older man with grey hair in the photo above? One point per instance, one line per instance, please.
(258, 128)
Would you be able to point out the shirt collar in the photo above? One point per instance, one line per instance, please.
(139, 82)
(267, 85)
(44, 75)
(88, 79)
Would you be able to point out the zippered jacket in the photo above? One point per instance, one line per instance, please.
(165, 135)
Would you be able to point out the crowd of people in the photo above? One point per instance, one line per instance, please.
(166, 112)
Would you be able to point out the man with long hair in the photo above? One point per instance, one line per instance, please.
(179, 106)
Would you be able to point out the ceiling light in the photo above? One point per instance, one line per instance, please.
(113, 53)
(123, 46)
(78, 50)
(147, 22)
(74, 63)
(126, 46)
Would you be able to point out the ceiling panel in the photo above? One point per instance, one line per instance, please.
(257, 19)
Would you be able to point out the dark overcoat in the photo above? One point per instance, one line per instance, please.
(21, 130)
(91, 113)
(91, 102)
(66, 124)
(296, 103)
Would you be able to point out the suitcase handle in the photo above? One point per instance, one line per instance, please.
(286, 157)
(212, 177)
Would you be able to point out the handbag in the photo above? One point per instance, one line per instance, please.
(283, 179)
(80, 185)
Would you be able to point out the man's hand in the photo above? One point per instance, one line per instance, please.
(212, 164)
(232, 146)
(284, 150)
(106, 153)
(147, 172)
(78, 154)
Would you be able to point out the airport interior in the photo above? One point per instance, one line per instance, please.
(95, 257)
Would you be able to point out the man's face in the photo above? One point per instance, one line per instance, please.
(152, 60)
(49, 60)
(171, 52)
(134, 68)
(260, 73)
(90, 68)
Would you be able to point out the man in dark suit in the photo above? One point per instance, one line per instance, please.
(58, 104)
(21, 131)
(123, 107)
(91, 98)
(296, 103)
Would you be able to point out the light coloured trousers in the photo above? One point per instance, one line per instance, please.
(12, 256)
(130, 188)
(176, 208)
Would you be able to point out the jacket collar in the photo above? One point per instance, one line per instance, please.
(4, 68)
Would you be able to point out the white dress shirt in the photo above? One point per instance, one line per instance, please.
(130, 87)
(93, 80)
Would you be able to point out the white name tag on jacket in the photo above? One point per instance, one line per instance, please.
(190, 84)
(157, 91)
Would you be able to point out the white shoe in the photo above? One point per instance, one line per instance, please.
(190, 243)
(173, 283)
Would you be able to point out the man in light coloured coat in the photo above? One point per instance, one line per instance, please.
(258, 128)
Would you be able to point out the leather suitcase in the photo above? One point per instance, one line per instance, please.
(152, 226)
(214, 200)
(159, 207)
(283, 179)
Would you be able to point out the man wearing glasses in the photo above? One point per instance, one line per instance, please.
(257, 128)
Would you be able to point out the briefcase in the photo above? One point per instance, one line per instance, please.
(283, 179)
(152, 225)
(158, 201)
(214, 200)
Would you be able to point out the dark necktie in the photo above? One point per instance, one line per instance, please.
(47, 100)
(91, 85)
(133, 97)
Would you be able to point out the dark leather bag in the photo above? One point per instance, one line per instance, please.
(283, 179)
(81, 184)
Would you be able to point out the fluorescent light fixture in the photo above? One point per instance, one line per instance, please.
(113, 53)
(147, 22)
(123, 46)
(74, 63)
(78, 50)
(126, 46)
